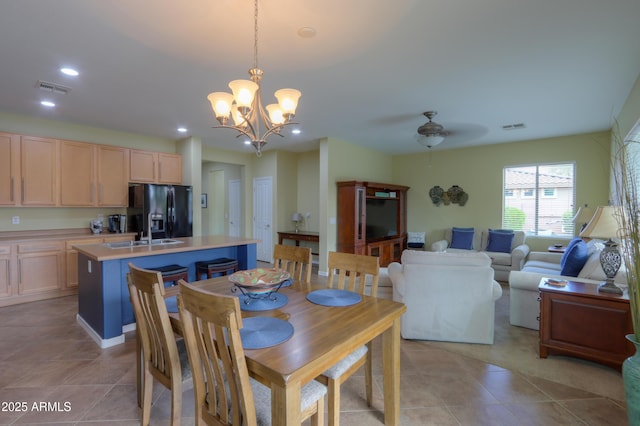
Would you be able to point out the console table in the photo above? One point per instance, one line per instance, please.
(577, 320)
(313, 237)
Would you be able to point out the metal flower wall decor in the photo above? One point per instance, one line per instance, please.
(455, 195)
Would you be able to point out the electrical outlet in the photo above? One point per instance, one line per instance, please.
(15, 220)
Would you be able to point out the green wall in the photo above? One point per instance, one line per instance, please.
(479, 170)
(68, 218)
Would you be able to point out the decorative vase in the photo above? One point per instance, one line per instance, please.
(631, 380)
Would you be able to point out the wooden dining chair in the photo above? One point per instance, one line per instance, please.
(224, 392)
(351, 272)
(295, 260)
(159, 355)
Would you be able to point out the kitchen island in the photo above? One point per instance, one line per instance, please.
(104, 307)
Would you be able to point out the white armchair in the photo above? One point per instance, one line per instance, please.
(449, 296)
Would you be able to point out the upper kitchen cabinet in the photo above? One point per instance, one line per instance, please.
(9, 169)
(77, 174)
(93, 175)
(39, 171)
(113, 176)
(155, 167)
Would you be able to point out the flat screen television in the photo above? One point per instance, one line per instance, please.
(382, 218)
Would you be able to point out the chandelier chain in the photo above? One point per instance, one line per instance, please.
(255, 35)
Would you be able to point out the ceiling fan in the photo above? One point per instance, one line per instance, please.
(431, 133)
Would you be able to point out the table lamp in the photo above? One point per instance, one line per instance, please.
(604, 224)
(296, 218)
(582, 217)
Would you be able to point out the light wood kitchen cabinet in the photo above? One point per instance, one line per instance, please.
(77, 174)
(9, 169)
(155, 167)
(5, 270)
(39, 171)
(93, 175)
(113, 176)
(40, 267)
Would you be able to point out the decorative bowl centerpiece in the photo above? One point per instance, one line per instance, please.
(259, 283)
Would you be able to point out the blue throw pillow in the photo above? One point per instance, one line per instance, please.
(500, 241)
(462, 238)
(577, 256)
(455, 228)
(568, 249)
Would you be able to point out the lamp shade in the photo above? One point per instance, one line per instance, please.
(275, 113)
(221, 103)
(296, 217)
(243, 92)
(583, 215)
(288, 100)
(604, 223)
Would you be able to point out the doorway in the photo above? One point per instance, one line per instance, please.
(262, 217)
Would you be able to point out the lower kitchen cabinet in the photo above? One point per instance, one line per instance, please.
(43, 268)
(5, 270)
(40, 267)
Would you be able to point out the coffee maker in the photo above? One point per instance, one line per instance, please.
(117, 223)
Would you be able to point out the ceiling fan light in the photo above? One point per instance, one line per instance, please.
(288, 100)
(430, 140)
(243, 92)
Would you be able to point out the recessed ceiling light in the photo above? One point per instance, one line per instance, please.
(296, 131)
(182, 129)
(307, 32)
(247, 142)
(48, 104)
(69, 71)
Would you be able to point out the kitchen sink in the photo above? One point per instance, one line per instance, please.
(128, 244)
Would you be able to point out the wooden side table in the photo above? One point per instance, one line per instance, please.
(578, 321)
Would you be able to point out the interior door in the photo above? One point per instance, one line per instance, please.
(262, 218)
(235, 219)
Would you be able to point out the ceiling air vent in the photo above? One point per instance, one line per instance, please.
(513, 126)
(53, 87)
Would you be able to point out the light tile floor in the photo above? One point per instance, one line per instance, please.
(45, 357)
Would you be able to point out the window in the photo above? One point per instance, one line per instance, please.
(539, 199)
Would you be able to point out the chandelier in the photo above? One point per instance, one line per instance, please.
(244, 105)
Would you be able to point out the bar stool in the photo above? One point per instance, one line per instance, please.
(221, 265)
(172, 273)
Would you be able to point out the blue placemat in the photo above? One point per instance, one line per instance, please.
(263, 332)
(334, 297)
(172, 304)
(266, 303)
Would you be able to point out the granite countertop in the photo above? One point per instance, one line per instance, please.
(101, 252)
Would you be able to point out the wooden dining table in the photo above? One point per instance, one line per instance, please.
(322, 336)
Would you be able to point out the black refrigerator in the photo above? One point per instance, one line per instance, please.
(168, 208)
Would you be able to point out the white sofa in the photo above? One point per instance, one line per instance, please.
(524, 304)
(502, 263)
(449, 296)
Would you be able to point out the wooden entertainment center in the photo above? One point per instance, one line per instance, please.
(372, 219)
